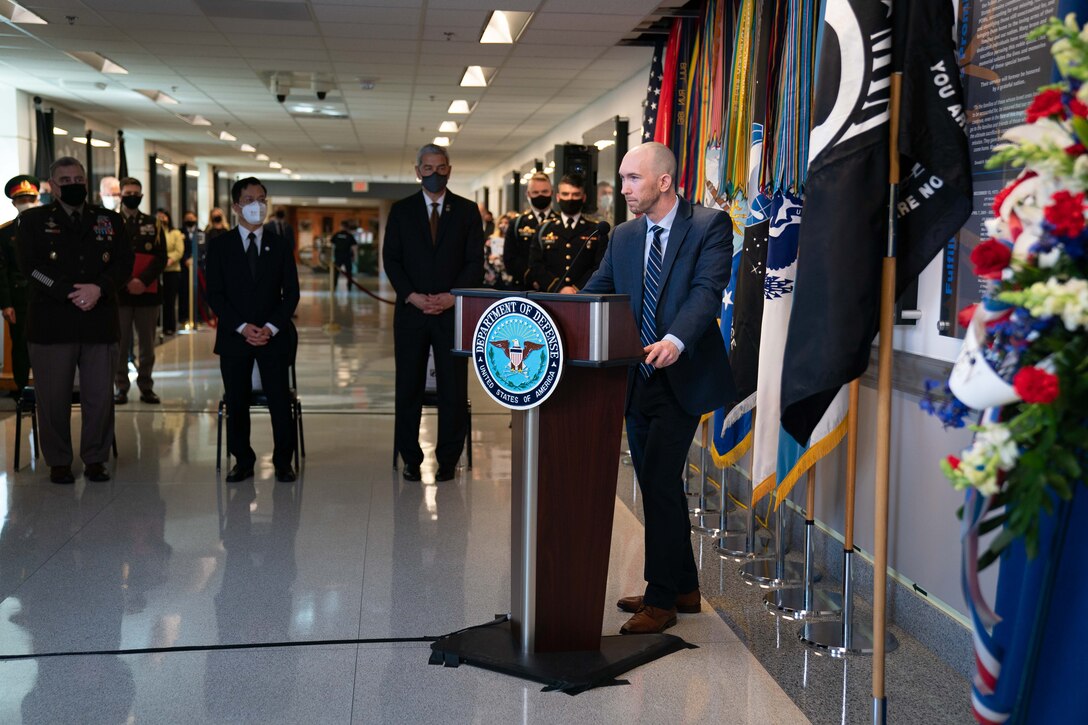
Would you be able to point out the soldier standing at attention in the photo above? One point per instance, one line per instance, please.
(566, 253)
(523, 232)
(140, 300)
(23, 192)
(75, 257)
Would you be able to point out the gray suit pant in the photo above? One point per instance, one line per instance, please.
(54, 375)
(145, 319)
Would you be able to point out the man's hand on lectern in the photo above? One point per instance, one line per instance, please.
(661, 354)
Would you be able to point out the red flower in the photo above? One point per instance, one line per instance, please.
(1035, 385)
(965, 315)
(1078, 108)
(1046, 103)
(953, 462)
(1066, 213)
(990, 259)
(1075, 150)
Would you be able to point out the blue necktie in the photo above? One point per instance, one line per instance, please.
(650, 282)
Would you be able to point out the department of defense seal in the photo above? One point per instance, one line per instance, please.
(517, 353)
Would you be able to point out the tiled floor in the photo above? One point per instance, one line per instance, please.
(166, 556)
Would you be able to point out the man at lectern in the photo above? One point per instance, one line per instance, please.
(674, 262)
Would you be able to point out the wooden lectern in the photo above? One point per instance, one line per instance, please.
(565, 460)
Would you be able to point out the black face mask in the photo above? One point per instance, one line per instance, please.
(435, 183)
(280, 215)
(190, 224)
(73, 194)
(133, 201)
(571, 207)
(541, 203)
(217, 219)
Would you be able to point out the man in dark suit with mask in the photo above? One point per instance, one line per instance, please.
(673, 263)
(434, 242)
(253, 289)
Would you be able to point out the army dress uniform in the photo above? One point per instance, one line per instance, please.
(13, 294)
(148, 243)
(563, 255)
(56, 253)
(520, 236)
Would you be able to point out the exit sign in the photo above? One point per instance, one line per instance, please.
(360, 187)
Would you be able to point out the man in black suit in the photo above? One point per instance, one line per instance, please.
(673, 263)
(434, 242)
(282, 228)
(253, 289)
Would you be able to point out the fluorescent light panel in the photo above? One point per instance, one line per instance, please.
(247, 148)
(460, 107)
(58, 131)
(262, 157)
(99, 62)
(19, 15)
(477, 76)
(441, 141)
(194, 119)
(275, 165)
(505, 26)
(449, 127)
(227, 136)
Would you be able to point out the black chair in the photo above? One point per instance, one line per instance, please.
(258, 399)
(27, 404)
(430, 400)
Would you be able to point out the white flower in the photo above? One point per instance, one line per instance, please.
(1043, 133)
(1049, 259)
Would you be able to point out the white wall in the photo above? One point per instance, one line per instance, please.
(16, 131)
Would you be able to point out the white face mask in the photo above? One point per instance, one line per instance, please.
(111, 202)
(605, 201)
(23, 206)
(254, 212)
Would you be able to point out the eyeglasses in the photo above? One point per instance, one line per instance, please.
(427, 169)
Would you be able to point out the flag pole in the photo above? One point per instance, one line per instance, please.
(884, 421)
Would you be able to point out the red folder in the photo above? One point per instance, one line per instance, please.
(143, 261)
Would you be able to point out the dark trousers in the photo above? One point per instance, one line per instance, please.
(55, 370)
(237, 373)
(410, 348)
(660, 432)
(20, 355)
(342, 267)
(185, 288)
(143, 319)
(171, 281)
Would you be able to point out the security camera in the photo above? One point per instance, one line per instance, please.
(280, 87)
(321, 87)
(321, 95)
(281, 97)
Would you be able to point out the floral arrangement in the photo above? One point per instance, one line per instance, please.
(1029, 333)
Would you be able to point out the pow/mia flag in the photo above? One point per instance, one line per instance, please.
(844, 232)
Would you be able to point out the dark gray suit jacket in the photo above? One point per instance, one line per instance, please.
(694, 272)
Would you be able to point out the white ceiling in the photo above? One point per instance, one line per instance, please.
(213, 56)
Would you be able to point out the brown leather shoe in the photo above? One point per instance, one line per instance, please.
(649, 620)
(689, 603)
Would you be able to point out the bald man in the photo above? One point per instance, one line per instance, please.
(673, 262)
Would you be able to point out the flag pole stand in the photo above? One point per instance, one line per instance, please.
(774, 572)
(191, 326)
(808, 601)
(702, 508)
(724, 510)
(852, 634)
(748, 545)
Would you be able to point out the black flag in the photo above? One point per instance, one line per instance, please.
(844, 229)
(122, 158)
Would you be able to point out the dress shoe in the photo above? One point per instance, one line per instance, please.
(285, 474)
(689, 603)
(120, 398)
(649, 620)
(96, 472)
(239, 473)
(445, 473)
(412, 473)
(61, 474)
(150, 397)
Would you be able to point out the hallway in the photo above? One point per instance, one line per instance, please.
(166, 556)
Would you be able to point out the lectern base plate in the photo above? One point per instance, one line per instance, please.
(492, 647)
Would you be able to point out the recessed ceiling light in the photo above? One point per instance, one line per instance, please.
(170, 167)
(99, 62)
(247, 148)
(159, 161)
(460, 107)
(157, 96)
(441, 141)
(605, 143)
(275, 165)
(286, 171)
(262, 157)
(227, 136)
(449, 127)
(58, 131)
(195, 173)
(505, 26)
(296, 177)
(96, 142)
(81, 140)
(477, 76)
(194, 119)
(20, 15)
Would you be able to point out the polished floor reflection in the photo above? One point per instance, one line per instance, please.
(167, 556)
